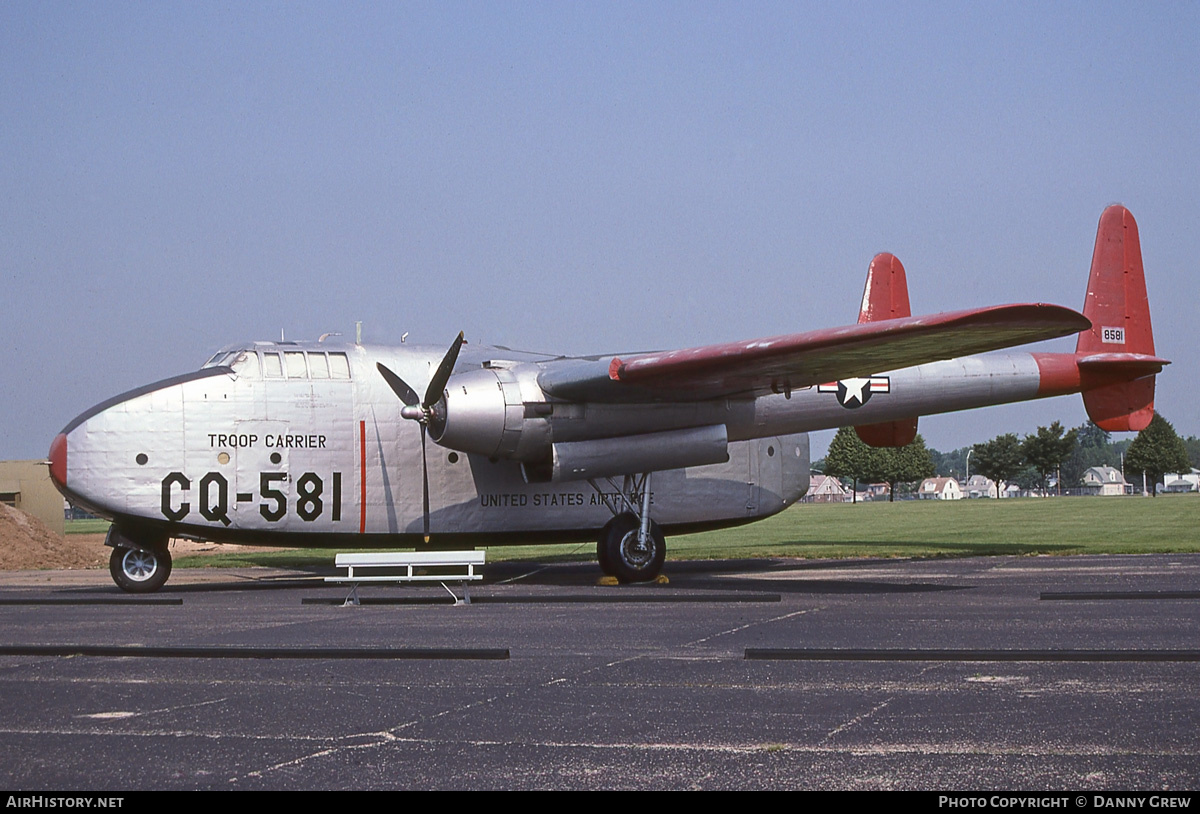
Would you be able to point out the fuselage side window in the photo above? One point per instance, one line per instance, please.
(246, 364)
(295, 365)
(318, 367)
(339, 366)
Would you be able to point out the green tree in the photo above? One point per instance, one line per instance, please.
(1193, 448)
(1028, 479)
(1156, 451)
(1047, 449)
(999, 459)
(952, 464)
(849, 457)
(911, 462)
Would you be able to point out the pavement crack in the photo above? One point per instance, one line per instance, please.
(856, 720)
(121, 714)
(749, 625)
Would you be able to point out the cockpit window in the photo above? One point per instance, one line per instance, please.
(255, 363)
(220, 358)
(318, 367)
(295, 365)
(272, 366)
(339, 366)
(246, 364)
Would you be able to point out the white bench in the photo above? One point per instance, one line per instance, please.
(453, 566)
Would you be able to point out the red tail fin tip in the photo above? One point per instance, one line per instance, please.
(885, 296)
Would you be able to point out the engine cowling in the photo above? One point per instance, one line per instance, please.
(501, 412)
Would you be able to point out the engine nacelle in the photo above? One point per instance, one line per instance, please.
(482, 411)
(649, 452)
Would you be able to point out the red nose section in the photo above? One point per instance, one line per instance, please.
(58, 460)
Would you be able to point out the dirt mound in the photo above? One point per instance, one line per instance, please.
(26, 543)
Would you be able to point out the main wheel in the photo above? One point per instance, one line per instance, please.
(138, 571)
(602, 554)
(624, 557)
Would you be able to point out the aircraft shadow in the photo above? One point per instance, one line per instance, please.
(725, 576)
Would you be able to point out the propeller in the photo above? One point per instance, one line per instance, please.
(422, 410)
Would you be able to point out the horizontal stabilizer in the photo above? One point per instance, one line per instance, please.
(1125, 366)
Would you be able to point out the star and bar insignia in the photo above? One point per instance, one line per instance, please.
(854, 393)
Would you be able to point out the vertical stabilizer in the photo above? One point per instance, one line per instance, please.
(885, 296)
(1120, 337)
(1116, 300)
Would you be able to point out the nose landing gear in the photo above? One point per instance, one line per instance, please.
(136, 566)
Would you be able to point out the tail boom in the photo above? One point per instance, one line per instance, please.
(1115, 359)
(885, 296)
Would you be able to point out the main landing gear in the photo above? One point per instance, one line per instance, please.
(137, 566)
(632, 546)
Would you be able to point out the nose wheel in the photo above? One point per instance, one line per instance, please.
(139, 571)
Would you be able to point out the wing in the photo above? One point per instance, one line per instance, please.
(783, 363)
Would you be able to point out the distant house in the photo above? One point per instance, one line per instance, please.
(1014, 489)
(1104, 480)
(940, 489)
(825, 489)
(877, 491)
(1181, 481)
(979, 486)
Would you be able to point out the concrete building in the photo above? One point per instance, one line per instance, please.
(26, 485)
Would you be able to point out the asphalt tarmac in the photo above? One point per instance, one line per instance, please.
(1006, 673)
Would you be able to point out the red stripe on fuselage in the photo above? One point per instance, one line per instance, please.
(362, 468)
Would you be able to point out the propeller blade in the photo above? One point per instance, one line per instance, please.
(438, 383)
(405, 393)
(416, 409)
(424, 483)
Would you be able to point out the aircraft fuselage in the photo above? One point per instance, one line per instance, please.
(241, 455)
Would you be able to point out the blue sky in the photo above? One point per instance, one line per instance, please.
(575, 177)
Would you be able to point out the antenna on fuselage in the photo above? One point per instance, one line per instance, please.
(358, 332)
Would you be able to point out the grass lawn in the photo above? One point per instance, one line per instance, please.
(932, 528)
(90, 526)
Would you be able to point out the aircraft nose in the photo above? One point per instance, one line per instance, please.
(58, 460)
